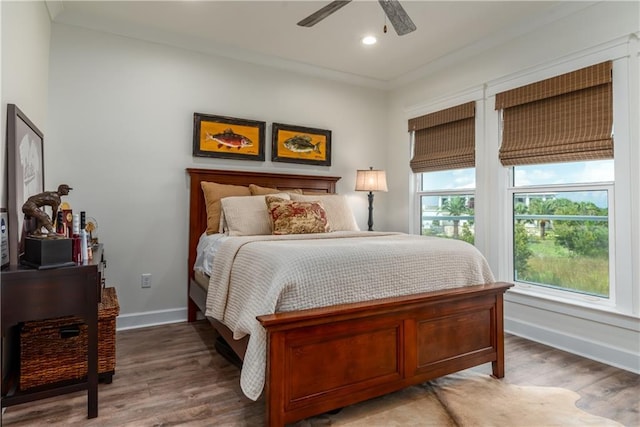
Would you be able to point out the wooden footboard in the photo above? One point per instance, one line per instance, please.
(327, 358)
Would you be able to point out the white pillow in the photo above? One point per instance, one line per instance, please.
(339, 214)
(246, 215)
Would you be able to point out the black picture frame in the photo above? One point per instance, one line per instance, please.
(302, 145)
(228, 137)
(25, 161)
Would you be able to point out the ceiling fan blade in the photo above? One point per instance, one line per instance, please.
(398, 17)
(319, 15)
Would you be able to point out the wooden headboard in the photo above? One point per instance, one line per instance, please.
(197, 210)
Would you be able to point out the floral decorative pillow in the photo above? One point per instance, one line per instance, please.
(339, 212)
(288, 217)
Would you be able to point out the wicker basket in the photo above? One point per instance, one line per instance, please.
(56, 350)
(108, 310)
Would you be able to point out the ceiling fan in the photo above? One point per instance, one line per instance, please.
(392, 8)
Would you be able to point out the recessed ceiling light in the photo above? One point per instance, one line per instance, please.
(369, 40)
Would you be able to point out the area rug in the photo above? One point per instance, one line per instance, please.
(466, 399)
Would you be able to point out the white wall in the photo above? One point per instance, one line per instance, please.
(120, 133)
(24, 59)
(25, 34)
(608, 337)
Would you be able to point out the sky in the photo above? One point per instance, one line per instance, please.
(545, 174)
(567, 173)
(450, 179)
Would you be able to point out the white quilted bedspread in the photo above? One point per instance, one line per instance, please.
(257, 275)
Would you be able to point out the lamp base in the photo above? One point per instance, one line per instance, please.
(370, 222)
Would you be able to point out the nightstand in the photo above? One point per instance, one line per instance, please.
(30, 295)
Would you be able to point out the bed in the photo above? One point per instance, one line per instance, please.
(374, 347)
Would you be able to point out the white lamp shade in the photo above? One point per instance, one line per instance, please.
(371, 180)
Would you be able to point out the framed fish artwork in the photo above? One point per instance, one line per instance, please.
(228, 137)
(297, 144)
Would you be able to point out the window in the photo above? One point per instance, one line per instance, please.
(447, 201)
(557, 140)
(562, 228)
(444, 161)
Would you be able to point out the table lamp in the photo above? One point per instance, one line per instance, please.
(371, 180)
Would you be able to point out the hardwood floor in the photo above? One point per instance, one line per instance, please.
(171, 375)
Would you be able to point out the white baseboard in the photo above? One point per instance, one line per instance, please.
(597, 351)
(150, 318)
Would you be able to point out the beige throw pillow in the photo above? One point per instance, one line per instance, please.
(256, 190)
(213, 192)
(247, 216)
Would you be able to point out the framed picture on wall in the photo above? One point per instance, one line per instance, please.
(26, 173)
(297, 144)
(228, 137)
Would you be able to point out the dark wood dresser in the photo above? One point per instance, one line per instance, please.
(29, 295)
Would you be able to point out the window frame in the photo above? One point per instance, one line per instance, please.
(475, 94)
(624, 298)
(556, 293)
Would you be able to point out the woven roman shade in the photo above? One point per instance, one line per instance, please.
(561, 119)
(444, 139)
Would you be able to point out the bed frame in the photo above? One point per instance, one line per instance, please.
(322, 359)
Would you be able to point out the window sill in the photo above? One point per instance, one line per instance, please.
(585, 307)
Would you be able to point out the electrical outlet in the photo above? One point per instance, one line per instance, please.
(145, 280)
